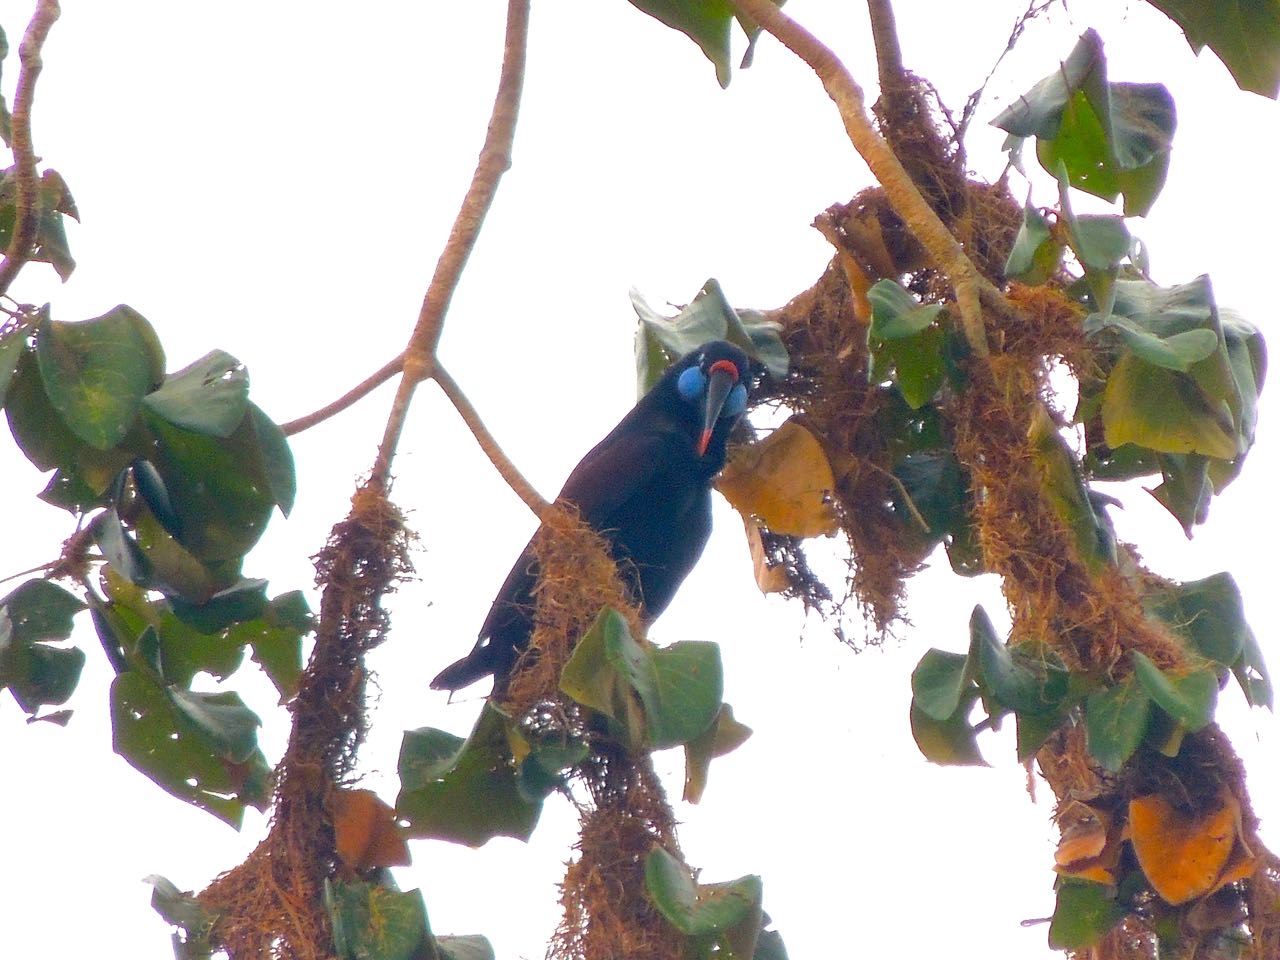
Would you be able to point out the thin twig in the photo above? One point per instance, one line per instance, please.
(1034, 9)
(495, 159)
(18, 253)
(515, 479)
(972, 289)
(365, 387)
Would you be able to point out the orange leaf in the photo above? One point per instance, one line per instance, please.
(1090, 848)
(785, 480)
(1182, 855)
(1081, 841)
(1241, 866)
(770, 579)
(366, 834)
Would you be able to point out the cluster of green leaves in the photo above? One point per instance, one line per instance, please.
(1177, 381)
(174, 477)
(640, 697)
(916, 353)
(1149, 705)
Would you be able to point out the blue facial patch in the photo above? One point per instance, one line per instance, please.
(736, 402)
(692, 383)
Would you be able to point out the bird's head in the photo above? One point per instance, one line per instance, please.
(713, 379)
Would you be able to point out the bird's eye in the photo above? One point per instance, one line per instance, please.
(691, 383)
(736, 402)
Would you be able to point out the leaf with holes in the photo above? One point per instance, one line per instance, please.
(192, 762)
(209, 396)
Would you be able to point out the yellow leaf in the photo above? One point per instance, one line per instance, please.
(1182, 855)
(785, 480)
(770, 579)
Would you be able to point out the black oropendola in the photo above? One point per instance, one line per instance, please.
(646, 487)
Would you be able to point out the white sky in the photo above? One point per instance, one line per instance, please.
(276, 179)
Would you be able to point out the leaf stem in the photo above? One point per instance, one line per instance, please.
(26, 219)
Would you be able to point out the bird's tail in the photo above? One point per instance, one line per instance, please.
(476, 665)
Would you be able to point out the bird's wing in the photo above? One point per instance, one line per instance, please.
(618, 467)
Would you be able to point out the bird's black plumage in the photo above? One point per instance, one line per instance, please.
(646, 487)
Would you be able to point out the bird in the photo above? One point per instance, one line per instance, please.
(646, 487)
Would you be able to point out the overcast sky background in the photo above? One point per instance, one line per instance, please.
(276, 179)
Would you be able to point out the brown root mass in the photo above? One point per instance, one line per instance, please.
(271, 906)
(606, 911)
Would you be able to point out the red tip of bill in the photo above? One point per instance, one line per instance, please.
(703, 442)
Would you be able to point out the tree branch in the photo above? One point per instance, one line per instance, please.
(495, 159)
(972, 289)
(515, 479)
(884, 33)
(26, 218)
(365, 387)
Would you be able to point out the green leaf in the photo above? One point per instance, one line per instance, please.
(1063, 486)
(1186, 490)
(1177, 352)
(1251, 673)
(218, 489)
(470, 947)
(13, 342)
(1035, 255)
(223, 719)
(684, 697)
(1032, 732)
(896, 314)
(1116, 720)
(464, 791)
(1164, 411)
(374, 922)
(661, 340)
(949, 742)
(938, 681)
(1243, 33)
(96, 372)
(723, 736)
(1106, 138)
(708, 23)
(544, 767)
(1189, 698)
(273, 459)
(1208, 613)
(601, 674)
(36, 673)
(210, 396)
(698, 909)
(41, 610)
(161, 741)
(1085, 912)
(180, 907)
(1012, 680)
(1038, 112)
(276, 639)
(938, 488)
